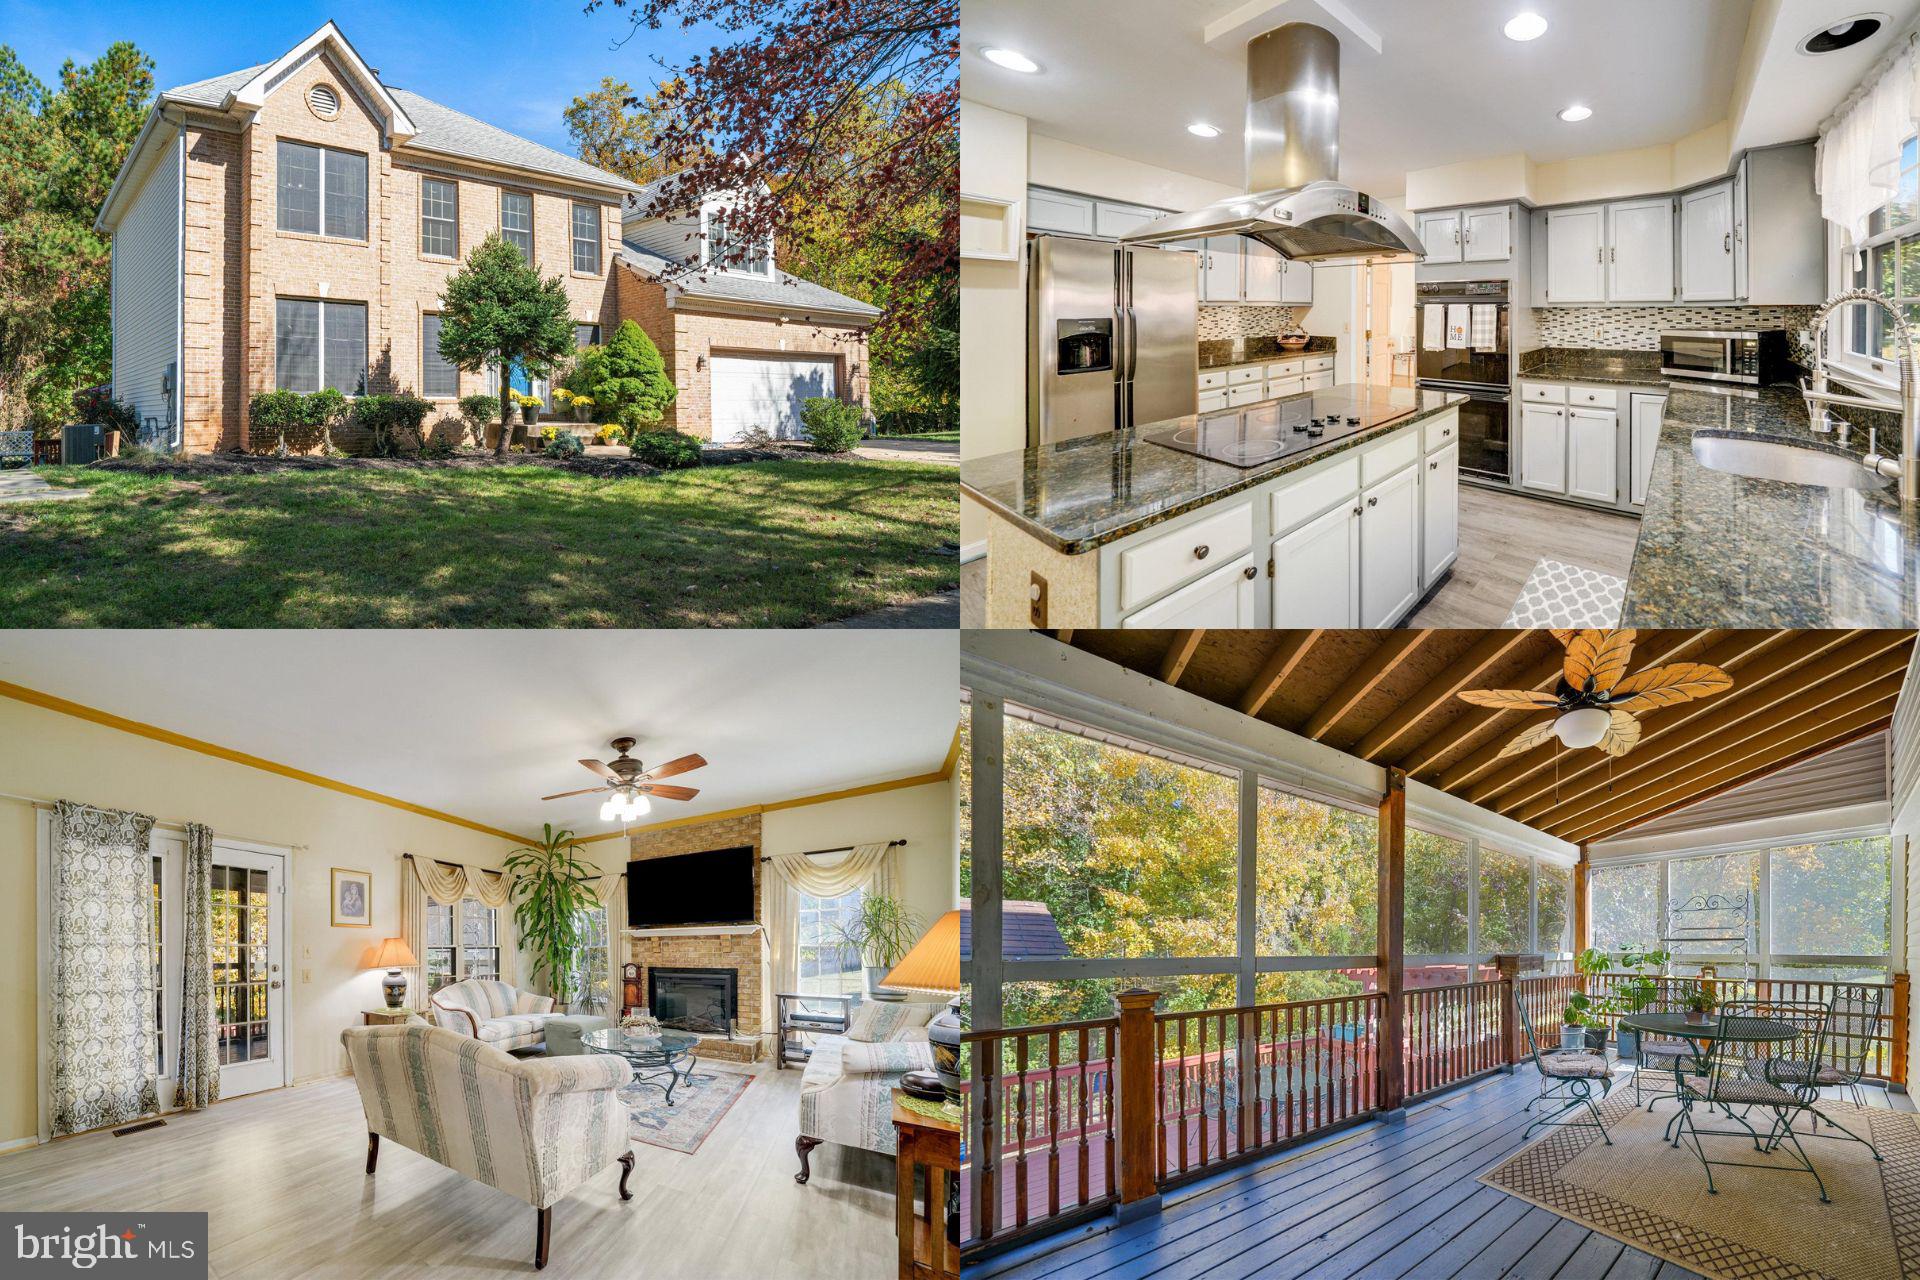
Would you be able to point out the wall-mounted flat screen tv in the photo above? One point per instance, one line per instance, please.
(715, 887)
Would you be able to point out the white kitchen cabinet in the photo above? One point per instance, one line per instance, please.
(1264, 267)
(1316, 571)
(1288, 386)
(1390, 548)
(1640, 250)
(1296, 283)
(1576, 255)
(1224, 598)
(1440, 233)
(1439, 514)
(1220, 269)
(1593, 444)
(1115, 220)
(1058, 211)
(1486, 235)
(1647, 412)
(1706, 244)
(1543, 447)
(1741, 283)
(1213, 401)
(1250, 393)
(1318, 382)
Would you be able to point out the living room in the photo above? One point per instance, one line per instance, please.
(487, 951)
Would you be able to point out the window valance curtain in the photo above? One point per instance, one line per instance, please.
(444, 883)
(868, 866)
(1859, 154)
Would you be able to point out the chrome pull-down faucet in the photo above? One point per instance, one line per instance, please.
(1906, 467)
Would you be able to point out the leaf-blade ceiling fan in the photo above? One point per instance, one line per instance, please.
(1596, 701)
(629, 783)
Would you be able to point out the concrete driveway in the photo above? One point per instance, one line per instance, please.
(907, 449)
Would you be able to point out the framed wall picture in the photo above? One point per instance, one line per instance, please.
(352, 899)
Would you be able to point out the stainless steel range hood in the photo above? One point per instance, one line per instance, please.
(1297, 204)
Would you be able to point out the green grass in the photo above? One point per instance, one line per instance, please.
(948, 437)
(770, 544)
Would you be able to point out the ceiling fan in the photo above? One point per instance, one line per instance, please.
(1595, 700)
(630, 785)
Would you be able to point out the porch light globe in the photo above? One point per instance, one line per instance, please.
(1582, 728)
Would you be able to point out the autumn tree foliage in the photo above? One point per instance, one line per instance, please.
(614, 130)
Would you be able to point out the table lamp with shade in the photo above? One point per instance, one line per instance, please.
(393, 956)
(934, 965)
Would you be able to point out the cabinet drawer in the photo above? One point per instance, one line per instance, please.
(1277, 387)
(1319, 364)
(1251, 373)
(1319, 381)
(1212, 401)
(1172, 559)
(1596, 397)
(1543, 392)
(1442, 431)
(1251, 393)
(1287, 369)
(1322, 489)
(1381, 460)
(1212, 379)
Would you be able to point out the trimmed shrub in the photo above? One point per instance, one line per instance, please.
(322, 411)
(624, 375)
(273, 416)
(668, 450)
(388, 418)
(565, 444)
(833, 425)
(480, 413)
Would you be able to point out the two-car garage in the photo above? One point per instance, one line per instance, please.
(766, 391)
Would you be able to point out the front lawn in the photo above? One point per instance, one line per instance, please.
(765, 544)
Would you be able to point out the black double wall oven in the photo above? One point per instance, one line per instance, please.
(1463, 344)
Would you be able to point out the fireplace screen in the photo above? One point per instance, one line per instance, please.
(695, 999)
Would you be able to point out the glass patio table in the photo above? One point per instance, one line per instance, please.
(652, 1054)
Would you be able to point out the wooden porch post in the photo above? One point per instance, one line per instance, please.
(1582, 922)
(1902, 998)
(1509, 967)
(1391, 961)
(1139, 1185)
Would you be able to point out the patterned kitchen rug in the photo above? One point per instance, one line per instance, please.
(1763, 1223)
(700, 1102)
(1566, 595)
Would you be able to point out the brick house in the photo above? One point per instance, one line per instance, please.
(293, 224)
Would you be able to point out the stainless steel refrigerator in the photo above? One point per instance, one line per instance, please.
(1112, 337)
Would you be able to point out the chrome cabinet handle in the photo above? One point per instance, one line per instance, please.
(1200, 552)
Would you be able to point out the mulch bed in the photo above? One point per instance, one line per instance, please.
(250, 464)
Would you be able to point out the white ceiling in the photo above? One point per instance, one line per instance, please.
(482, 724)
(1128, 76)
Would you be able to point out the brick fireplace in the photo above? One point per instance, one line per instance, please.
(741, 951)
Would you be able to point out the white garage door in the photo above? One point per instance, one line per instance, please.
(765, 391)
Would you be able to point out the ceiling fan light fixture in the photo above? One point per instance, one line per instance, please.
(1582, 728)
(607, 810)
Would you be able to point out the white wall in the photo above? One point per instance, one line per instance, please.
(146, 290)
(927, 867)
(993, 309)
(1699, 157)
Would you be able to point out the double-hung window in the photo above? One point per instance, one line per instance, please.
(828, 965)
(516, 221)
(1887, 261)
(733, 252)
(586, 239)
(320, 344)
(586, 335)
(463, 941)
(439, 217)
(322, 191)
(439, 379)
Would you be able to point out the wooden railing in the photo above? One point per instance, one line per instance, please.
(1454, 1033)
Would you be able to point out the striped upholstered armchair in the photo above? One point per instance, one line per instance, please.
(535, 1128)
(497, 1013)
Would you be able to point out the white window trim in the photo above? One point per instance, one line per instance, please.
(425, 178)
(575, 239)
(499, 946)
(366, 235)
(532, 233)
(707, 213)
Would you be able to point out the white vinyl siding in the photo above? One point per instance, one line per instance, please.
(677, 239)
(516, 221)
(146, 295)
(440, 217)
(439, 380)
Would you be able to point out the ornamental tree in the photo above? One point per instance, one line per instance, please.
(626, 378)
(498, 312)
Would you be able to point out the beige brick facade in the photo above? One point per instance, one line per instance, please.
(744, 952)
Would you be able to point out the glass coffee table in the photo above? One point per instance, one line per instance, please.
(661, 1059)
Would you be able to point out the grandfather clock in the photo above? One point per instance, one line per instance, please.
(631, 997)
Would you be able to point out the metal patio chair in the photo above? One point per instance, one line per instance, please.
(1566, 1077)
(1726, 1086)
(1848, 1026)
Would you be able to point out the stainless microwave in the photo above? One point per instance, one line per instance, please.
(1755, 357)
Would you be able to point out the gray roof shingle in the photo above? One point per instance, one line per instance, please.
(782, 290)
(1027, 932)
(213, 92)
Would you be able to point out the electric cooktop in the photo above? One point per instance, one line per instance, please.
(1275, 429)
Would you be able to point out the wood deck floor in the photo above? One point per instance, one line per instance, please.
(1383, 1202)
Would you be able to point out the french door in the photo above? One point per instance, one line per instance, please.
(248, 946)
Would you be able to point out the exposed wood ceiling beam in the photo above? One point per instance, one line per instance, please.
(1458, 675)
(1381, 663)
(1844, 671)
(1290, 649)
(1179, 653)
(1694, 778)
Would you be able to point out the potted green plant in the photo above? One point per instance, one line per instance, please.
(1699, 1003)
(882, 931)
(1573, 1035)
(551, 888)
(1635, 994)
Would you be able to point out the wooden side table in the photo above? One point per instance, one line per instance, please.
(383, 1016)
(933, 1145)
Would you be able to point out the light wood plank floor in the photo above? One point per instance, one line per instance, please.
(282, 1175)
(1502, 536)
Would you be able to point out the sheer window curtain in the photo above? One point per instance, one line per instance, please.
(199, 1069)
(100, 946)
(1859, 154)
(869, 866)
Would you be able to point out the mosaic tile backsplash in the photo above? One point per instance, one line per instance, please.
(1221, 323)
(1639, 328)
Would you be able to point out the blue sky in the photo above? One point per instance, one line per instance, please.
(516, 65)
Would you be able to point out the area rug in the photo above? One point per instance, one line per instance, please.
(1566, 595)
(700, 1102)
(1763, 1223)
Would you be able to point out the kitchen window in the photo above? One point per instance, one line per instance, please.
(1861, 337)
(439, 379)
(322, 191)
(586, 239)
(439, 218)
(320, 344)
(516, 222)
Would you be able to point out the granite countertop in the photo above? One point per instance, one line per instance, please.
(1570, 364)
(1219, 353)
(1084, 493)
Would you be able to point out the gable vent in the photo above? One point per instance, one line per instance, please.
(323, 101)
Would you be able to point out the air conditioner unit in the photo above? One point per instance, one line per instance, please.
(80, 443)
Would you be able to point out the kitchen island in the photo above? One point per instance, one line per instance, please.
(1351, 528)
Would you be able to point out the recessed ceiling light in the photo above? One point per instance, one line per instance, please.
(1528, 26)
(1011, 59)
(1844, 34)
(1573, 115)
(1200, 130)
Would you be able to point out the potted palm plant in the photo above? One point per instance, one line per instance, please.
(551, 888)
(882, 932)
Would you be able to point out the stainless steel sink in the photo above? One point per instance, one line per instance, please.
(1771, 460)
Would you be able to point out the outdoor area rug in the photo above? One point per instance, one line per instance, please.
(699, 1104)
(1762, 1223)
(1568, 595)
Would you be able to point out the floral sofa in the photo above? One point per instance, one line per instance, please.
(496, 1013)
(846, 1092)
